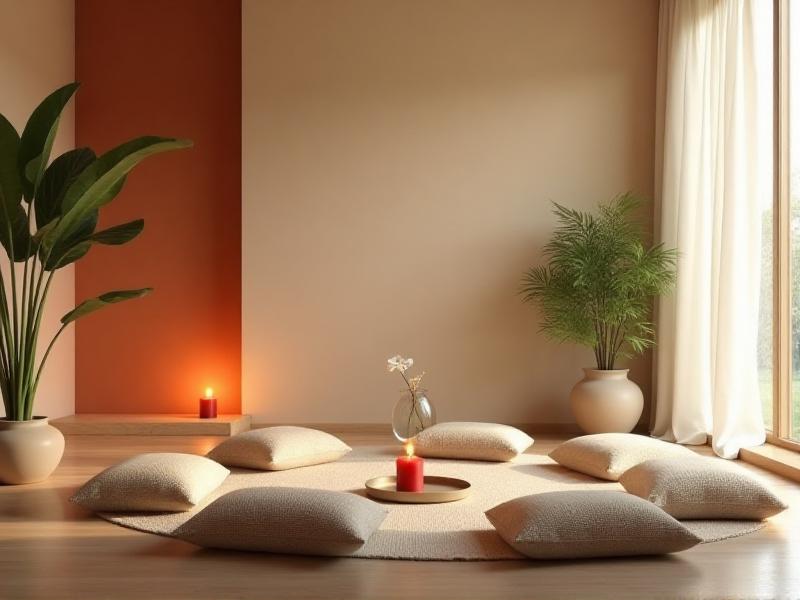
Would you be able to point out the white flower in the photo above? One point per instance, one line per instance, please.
(414, 382)
(398, 363)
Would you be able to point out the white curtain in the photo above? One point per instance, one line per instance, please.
(713, 181)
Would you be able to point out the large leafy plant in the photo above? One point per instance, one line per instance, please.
(598, 287)
(48, 219)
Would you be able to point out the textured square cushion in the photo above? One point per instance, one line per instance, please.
(701, 488)
(158, 482)
(473, 441)
(285, 520)
(585, 524)
(609, 455)
(279, 448)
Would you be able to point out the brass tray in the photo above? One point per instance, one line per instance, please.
(435, 490)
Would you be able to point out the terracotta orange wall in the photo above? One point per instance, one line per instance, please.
(167, 68)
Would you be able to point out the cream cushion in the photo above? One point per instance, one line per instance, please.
(472, 441)
(286, 520)
(162, 481)
(609, 455)
(701, 488)
(584, 524)
(279, 448)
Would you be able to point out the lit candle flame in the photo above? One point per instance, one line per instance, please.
(409, 449)
(209, 392)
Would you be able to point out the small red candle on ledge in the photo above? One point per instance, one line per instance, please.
(410, 477)
(208, 405)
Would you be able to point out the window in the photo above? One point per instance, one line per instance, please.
(766, 372)
(779, 324)
(791, 113)
(770, 368)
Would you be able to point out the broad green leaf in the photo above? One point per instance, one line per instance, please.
(64, 254)
(20, 234)
(74, 253)
(121, 234)
(86, 228)
(89, 306)
(114, 191)
(39, 235)
(10, 185)
(57, 179)
(38, 136)
(51, 256)
(95, 186)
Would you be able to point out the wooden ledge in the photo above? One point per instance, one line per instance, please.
(101, 424)
(773, 458)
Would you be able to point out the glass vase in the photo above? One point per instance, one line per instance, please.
(412, 413)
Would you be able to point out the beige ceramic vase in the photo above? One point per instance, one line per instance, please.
(606, 402)
(29, 450)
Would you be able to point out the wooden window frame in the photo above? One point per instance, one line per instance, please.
(782, 268)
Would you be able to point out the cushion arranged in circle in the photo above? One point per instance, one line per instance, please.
(162, 481)
(287, 520)
(609, 455)
(472, 441)
(449, 531)
(586, 524)
(279, 448)
(701, 488)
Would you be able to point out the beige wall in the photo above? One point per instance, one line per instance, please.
(399, 159)
(37, 55)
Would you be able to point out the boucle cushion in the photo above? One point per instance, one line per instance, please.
(609, 455)
(473, 441)
(584, 524)
(285, 520)
(164, 481)
(701, 488)
(279, 448)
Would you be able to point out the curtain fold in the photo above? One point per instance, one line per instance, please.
(713, 180)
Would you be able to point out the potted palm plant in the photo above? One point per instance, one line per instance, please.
(48, 220)
(597, 290)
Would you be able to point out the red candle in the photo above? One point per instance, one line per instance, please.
(208, 405)
(409, 472)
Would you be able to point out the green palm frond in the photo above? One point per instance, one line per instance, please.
(598, 286)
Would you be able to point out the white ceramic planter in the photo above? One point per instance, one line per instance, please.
(29, 450)
(606, 402)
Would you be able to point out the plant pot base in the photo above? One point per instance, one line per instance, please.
(606, 402)
(29, 450)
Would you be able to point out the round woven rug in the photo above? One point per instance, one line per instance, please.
(450, 531)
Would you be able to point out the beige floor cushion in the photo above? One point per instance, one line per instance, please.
(279, 448)
(701, 488)
(609, 455)
(285, 520)
(586, 524)
(472, 441)
(152, 482)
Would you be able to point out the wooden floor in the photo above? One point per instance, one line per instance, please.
(50, 549)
